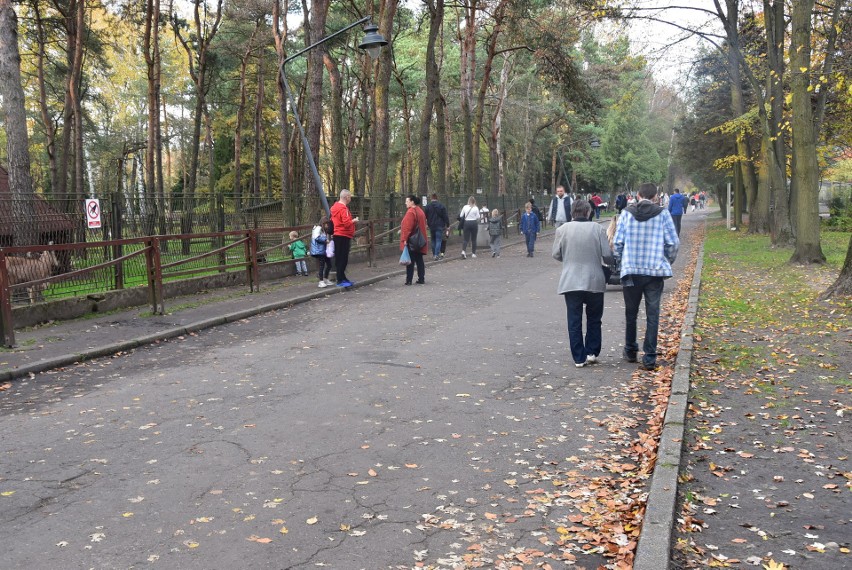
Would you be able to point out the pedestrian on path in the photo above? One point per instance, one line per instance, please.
(530, 227)
(646, 245)
(343, 225)
(413, 220)
(438, 221)
(469, 216)
(495, 232)
(299, 252)
(560, 207)
(677, 208)
(583, 248)
(319, 243)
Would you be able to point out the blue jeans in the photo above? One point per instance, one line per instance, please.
(594, 302)
(530, 242)
(652, 289)
(437, 240)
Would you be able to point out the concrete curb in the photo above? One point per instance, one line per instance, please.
(655, 540)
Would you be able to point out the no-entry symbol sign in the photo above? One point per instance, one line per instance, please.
(93, 213)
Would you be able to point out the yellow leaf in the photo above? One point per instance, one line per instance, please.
(772, 565)
(491, 516)
(312, 520)
(248, 518)
(803, 69)
(372, 473)
(127, 515)
(191, 544)
(283, 530)
(345, 527)
(7, 493)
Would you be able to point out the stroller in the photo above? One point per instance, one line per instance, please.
(612, 271)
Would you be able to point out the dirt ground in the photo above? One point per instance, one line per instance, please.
(767, 480)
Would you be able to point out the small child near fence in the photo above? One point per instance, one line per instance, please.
(298, 251)
(319, 250)
(495, 232)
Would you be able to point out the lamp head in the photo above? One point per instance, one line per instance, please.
(373, 41)
(595, 144)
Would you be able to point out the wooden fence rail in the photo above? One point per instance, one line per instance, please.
(164, 259)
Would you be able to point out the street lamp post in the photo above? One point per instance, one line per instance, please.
(372, 43)
(594, 143)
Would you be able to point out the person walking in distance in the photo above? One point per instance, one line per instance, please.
(560, 207)
(470, 214)
(495, 232)
(343, 225)
(530, 227)
(582, 247)
(677, 208)
(413, 219)
(646, 244)
(438, 221)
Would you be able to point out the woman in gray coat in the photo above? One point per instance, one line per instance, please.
(582, 247)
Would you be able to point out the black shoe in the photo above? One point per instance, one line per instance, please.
(648, 366)
(408, 282)
(420, 282)
(629, 355)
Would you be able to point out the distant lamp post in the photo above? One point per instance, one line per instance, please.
(372, 43)
(594, 143)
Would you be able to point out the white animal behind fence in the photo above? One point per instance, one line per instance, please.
(26, 269)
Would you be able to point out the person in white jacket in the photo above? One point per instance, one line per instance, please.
(583, 248)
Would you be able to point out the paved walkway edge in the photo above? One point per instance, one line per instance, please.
(655, 540)
(110, 349)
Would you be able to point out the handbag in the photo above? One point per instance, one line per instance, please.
(405, 258)
(416, 240)
(329, 249)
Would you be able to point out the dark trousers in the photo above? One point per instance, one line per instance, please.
(437, 241)
(341, 256)
(416, 259)
(324, 264)
(471, 228)
(676, 220)
(594, 302)
(651, 288)
(530, 237)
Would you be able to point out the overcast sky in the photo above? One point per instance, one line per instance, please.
(654, 39)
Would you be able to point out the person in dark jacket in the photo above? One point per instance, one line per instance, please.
(530, 227)
(438, 221)
(560, 207)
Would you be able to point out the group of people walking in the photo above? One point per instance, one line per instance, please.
(644, 244)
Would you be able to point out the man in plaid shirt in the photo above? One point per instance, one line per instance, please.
(646, 244)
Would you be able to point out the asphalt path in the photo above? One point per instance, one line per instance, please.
(390, 426)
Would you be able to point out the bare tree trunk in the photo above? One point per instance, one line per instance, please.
(498, 122)
(467, 38)
(24, 228)
(46, 118)
(238, 128)
(258, 127)
(442, 174)
(380, 188)
(433, 92)
(280, 36)
(338, 149)
(806, 169)
(313, 116)
(197, 51)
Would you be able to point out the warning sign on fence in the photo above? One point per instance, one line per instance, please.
(93, 213)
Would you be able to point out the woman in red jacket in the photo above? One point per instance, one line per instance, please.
(414, 218)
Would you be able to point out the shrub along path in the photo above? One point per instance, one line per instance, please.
(767, 475)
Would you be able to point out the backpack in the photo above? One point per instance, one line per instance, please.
(537, 213)
(495, 226)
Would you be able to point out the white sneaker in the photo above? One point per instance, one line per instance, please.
(329, 282)
(473, 255)
(464, 255)
(591, 359)
(580, 364)
(322, 284)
